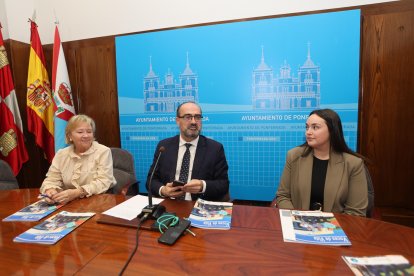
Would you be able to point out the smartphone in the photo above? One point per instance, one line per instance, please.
(173, 233)
(177, 183)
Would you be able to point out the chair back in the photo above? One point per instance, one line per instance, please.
(124, 172)
(371, 194)
(7, 179)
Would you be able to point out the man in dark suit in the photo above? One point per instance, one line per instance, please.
(205, 169)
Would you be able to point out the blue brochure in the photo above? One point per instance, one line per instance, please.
(33, 212)
(313, 227)
(54, 228)
(211, 215)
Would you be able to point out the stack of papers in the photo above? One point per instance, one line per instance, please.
(129, 209)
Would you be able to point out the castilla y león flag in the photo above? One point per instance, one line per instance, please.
(39, 97)
(12, 147)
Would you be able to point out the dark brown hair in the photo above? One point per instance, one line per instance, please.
(336, 135)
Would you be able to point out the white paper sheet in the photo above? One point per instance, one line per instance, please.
(130, 208)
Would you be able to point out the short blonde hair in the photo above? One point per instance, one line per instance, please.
(74, 122)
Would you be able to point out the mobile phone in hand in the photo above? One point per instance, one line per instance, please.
(177, 183)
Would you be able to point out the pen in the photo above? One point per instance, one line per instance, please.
(45, 195)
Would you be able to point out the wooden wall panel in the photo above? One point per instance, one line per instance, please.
(386, 133)
(94, 85)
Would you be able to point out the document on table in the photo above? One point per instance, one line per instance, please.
(130, 208)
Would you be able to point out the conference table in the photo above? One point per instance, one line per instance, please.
(253, 246)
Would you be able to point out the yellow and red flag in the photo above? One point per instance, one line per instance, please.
(12, 147)
(39, 97)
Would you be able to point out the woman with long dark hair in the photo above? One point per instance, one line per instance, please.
(324, 173)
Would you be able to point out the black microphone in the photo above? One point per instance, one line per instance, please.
(153, 210)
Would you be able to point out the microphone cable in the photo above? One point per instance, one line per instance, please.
(140, 221)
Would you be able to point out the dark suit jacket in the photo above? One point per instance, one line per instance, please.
(210, 165)
(346, 189)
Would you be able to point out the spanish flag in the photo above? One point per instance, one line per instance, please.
(39, 97)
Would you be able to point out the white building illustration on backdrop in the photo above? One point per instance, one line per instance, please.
(166, 95)
(285, 91)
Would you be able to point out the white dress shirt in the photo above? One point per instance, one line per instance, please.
(181, 150)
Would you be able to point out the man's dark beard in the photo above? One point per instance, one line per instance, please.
(192, 134)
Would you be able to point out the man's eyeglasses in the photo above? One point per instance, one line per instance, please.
(189, 117)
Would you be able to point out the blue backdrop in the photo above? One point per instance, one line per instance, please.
(256, 82)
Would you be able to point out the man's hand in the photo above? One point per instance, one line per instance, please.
(169, 191)
(195, 186)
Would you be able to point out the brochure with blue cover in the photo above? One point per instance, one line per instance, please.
(211, 215)
(379, 265)
(34, 212)
(54, 228)
(312, 227)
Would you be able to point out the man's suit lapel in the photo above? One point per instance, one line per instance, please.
(198, 160)
(172, 156)
(199, 157)
(333, 179)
